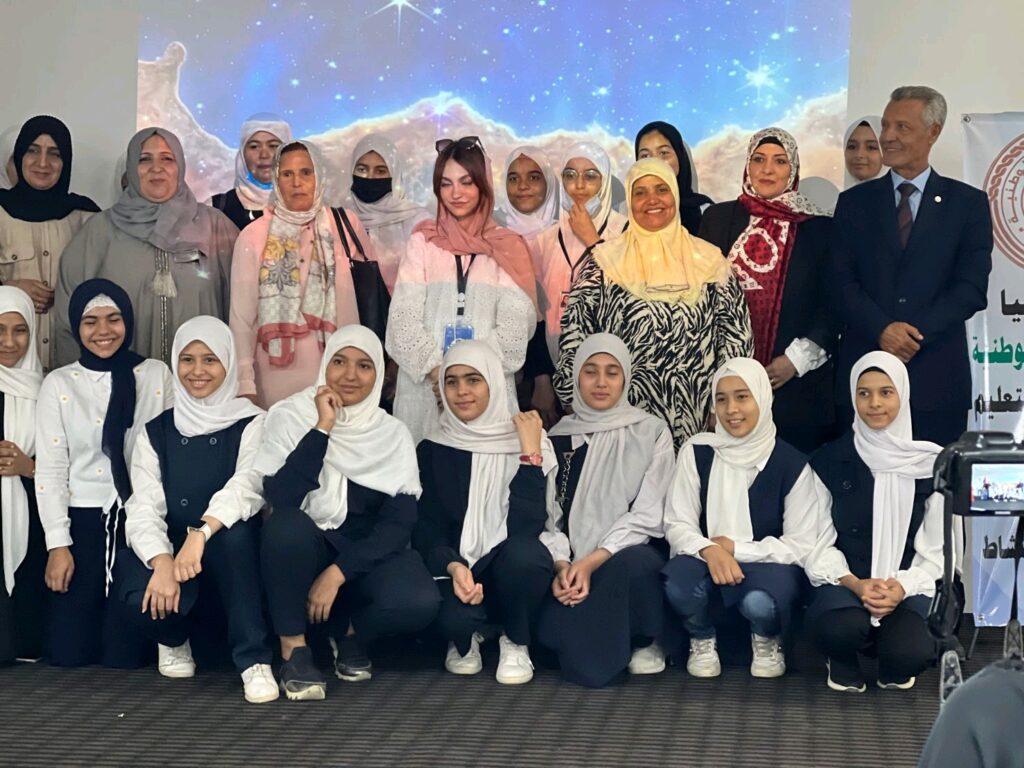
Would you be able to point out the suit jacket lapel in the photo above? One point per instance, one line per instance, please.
(886, 201)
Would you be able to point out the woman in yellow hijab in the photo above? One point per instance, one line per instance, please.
(669, 296)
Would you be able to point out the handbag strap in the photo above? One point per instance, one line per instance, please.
(345, 226)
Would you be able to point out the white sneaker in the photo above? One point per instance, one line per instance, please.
(703, 661)
(514, 665)
(768, 658)
(469, 664)
(647, 661)
(259, 684)
(175, 662)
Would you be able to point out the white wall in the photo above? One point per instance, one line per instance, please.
(968, 51)
(78, 61)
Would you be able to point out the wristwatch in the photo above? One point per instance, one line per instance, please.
(203, 529)
(533, 459)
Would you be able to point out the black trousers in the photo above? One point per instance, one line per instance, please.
(624, 610)
(88, 624)
(23, 614)
(516, 576)
(231, 567)
(397, 596)
(905, 647)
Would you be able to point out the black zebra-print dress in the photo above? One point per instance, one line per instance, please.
(676, 348)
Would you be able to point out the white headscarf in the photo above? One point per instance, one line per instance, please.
(876, 125)
(896, 460)
(527, 224)
(621, 444)
(494, 443)
(224, 407)
(366, 446)
(20, 386)
(393, 208)
(600, 204)
(7, 139)
(253, 195)
(738, 459)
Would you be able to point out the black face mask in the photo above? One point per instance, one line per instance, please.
(370, 190)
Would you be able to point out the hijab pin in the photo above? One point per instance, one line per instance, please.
(938, 198)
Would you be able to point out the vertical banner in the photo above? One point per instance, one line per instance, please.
(994, 162)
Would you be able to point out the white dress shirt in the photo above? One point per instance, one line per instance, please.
(803, 508)
(146, 511)
(919, 182)
(71, 468)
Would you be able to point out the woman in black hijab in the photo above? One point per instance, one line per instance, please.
(662, 140)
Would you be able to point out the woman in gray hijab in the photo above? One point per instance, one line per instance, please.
(170, 253)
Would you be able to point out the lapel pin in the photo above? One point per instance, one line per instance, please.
(938, 198)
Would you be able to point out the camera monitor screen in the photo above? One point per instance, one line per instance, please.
(997, 488)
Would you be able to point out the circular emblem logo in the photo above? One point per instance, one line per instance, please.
(1004, 185)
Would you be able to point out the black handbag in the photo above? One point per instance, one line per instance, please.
(372, 297)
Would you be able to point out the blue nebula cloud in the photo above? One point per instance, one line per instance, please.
(535, 65)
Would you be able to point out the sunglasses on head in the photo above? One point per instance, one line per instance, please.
(466, 142)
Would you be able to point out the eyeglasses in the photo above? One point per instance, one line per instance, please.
(569, 175)
(466, 142)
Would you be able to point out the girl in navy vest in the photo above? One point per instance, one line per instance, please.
(88, 418)
(342, 483)
(22, 592)
(615, 466)
(880, 553)
(741, 518)
(189, 521)
(488, 480)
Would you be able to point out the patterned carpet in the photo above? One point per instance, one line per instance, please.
(414, 714)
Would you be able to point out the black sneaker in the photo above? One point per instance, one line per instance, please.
(300, 679)
(842, 677)
(351, 663)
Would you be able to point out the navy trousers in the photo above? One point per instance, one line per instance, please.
(87, 624)
(624, 610)
(397, 596)
(516, 576)
(230, 567)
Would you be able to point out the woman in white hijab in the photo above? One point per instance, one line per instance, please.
(741, 518)
(22, 592)
(528, 200)
(862, 151)
(586, 219)
(192, 518)
(342, 483)
(615, 467)
(291, 284)
(880, 553)
(488, 482)
(261, 135)
(379, 197)
(8, 173)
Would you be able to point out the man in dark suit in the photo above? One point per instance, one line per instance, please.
(912, 255)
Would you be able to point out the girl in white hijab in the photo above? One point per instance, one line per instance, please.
(742, 517)
(862, 151)
(190, 519)
(21, 535)
(526, 170)
(880, 552)
(615, 467)
(488, 482)
(342, 483)
(379, 197)
(261, 135)
(586, 219)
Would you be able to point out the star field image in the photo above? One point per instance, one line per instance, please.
(547, 72)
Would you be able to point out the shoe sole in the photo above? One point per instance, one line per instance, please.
(897, 686)
(521, 680)
(716, 672)
(353, 677)
(767, 674)
(263, 699)
(648, 671)
(312, 693)
(177, 675)
(467, 671)
(839, 686)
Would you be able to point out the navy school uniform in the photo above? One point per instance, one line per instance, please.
(192, 471)
(516, 574)
(838, 620)
(769, 590)
(625, 607)
(387, 588)
(23, 613)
